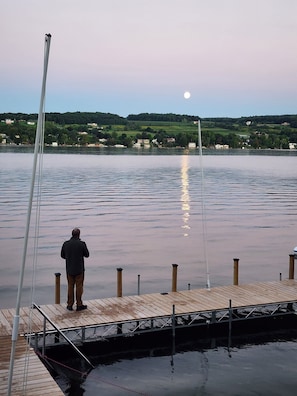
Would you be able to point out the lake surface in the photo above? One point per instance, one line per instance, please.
(144, 211)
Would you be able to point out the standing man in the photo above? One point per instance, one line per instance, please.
(74, 251)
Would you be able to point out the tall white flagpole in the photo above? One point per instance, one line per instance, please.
(38, 142)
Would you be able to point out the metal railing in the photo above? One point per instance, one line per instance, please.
(47, 319)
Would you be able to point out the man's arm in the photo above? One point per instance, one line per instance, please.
(63, 252)
(86, 251)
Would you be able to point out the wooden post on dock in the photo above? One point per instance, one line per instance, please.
(174, 277)
(235, 271)
(119, 282)
(57, 288)
(291, 266)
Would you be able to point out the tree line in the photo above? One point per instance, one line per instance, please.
(165, 130)
(114, 119)
(69, 118)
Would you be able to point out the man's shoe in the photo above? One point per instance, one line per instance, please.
(81, 307)
(69, 307)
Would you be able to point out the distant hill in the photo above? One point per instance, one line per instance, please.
(114, 119)
(70, 118)
(169, 117)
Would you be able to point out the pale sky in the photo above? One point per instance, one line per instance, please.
(236, 57)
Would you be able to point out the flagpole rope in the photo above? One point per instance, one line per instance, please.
(203, 211)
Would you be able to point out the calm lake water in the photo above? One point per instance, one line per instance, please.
(144, 211)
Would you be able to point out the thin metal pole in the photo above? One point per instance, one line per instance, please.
(230, 317)
(173, 321)
(43, 336)
(38, 142)
(62, 334)
(235, 271)
(173, 335)
(203, 207)
(230, 327)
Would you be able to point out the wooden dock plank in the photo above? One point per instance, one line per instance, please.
(117, 309)
(281, 291)
(106, 312)
(167, 301)
(124, 307)
(5, 325)
(191, 302)
(95, 308)
(37, 380)
(148, 304)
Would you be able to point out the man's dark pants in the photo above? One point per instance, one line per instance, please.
(76, 281)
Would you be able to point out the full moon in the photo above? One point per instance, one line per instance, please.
(187, 95)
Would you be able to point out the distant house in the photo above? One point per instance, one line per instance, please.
(192, 145)
(3, 138)
(145, 143)
(171, 140)
(222, 146)
(292, 146)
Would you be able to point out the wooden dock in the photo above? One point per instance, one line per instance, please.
(198, 304)
(137, 307)
(30, 375)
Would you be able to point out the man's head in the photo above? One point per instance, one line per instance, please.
(76, 233)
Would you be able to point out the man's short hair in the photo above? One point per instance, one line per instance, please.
(76, 232)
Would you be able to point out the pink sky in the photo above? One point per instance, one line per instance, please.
(237, 58)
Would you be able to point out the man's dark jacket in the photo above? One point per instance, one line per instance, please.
(74, 252)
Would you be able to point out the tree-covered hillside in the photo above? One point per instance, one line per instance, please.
(161, 130)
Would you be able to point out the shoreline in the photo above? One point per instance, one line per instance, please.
(150, 150)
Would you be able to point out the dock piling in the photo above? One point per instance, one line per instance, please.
(174, 277)
(119, 282)
(57, 288)
(235, 271)
(291, 266)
